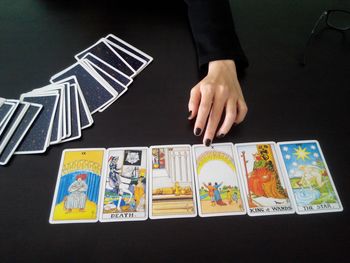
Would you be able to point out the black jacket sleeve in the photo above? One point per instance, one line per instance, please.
(214, 32)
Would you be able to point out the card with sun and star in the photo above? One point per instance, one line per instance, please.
(308, 177)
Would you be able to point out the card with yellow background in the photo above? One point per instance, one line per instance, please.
(77, 190)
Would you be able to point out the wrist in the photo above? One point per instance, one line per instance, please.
(219, 65)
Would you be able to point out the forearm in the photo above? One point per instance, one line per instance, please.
(214, 33)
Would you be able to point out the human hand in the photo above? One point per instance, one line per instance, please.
(219, 92)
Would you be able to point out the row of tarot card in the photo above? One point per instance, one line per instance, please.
(58, 112)
(174, 181)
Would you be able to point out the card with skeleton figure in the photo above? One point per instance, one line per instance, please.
(172, 192)
(308, 177)
(219, 189)
(77, 192)
(265, 189)
(124, 190)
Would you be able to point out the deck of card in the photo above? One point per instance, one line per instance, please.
(59, 112)
(180, 181)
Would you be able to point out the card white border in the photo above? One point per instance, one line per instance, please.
(2, 100)
(12, 104)
(107, 65)
(48, 135)
(144, 62)
(67, 112)
(101, 81)
(64, 115)
(13, 128)
(130, 46)
(9, 116)
(118, 94)
(102, 40)
(39, 106)
(83, 101)
(71, 138)
(61, 88)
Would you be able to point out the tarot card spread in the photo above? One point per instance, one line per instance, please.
(218, 186)
(265, 189)
(172, 186)
(77, 190)
(125, 185)
(309, 178)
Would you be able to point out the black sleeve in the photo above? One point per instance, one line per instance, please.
(214, 32)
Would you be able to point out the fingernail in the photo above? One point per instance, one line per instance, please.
(222, 135)
(197, 131)
(207, 142)
(189, 114)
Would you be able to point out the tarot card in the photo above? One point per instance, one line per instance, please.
(103, 51)
(86, 119)
(125, 187)
(96, 91)
(172, 192)
(6, 109)
(308, 177)
(119, 42)
(57, 129)
(78, 186)
(38, 137)
(219, 189)
(75, 117)
(264, 186)
(21, 130)
(117, 86)
(12, 125)
(10, 107)
(119, 76)
(84, 113)
(137, 63)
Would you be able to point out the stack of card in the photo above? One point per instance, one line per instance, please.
(58, 112)
(176, 181)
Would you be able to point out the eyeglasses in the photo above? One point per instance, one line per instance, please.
(336, 19)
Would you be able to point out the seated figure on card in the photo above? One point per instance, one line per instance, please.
(263, 179)
(77, 194)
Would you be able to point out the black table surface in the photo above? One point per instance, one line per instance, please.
(286, 102)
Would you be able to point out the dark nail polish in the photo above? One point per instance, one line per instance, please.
(207, 142)
(197, 131)
(189, 114)
(222, 135)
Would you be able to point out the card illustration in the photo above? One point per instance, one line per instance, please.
(265, 189)
(78, 186)
(309, 178)
(125, 185)
(172, 188)
(218, 185)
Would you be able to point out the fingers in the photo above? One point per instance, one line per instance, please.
(207, 94)
(194, 101)
(242, 110)
(214, 119)
(230, 117)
